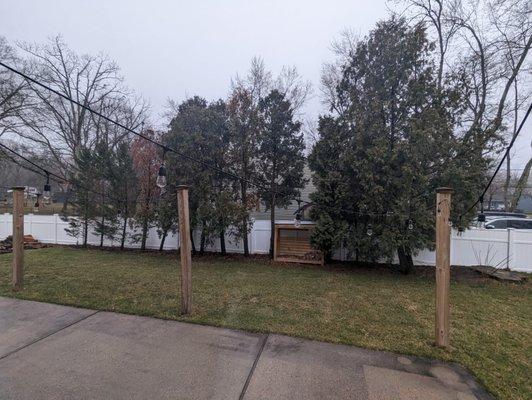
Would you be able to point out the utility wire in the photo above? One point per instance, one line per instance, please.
(58, 179)
(186, 156)
(481, 197)
(163, 146)
(153, 141)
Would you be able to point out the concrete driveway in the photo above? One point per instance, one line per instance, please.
(55, 352)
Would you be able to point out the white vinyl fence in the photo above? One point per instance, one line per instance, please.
(51, 229)
(501, 248)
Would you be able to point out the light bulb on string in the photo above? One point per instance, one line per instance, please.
(161, 175)
(297, 221)
(369, 230)
(410, 225)
(46, 193)
(481, 219)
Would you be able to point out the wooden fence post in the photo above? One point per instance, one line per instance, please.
(185, 245)
(18, 237)
(443, 264)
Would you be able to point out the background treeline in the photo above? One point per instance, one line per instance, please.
(426, 99)
(110, 174)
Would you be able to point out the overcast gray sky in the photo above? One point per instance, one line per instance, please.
(175, 49)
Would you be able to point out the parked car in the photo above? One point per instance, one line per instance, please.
(503, 214)
(503, 223)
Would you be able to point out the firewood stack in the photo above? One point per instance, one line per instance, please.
(29, 243)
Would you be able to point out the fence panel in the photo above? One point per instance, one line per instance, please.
(500, 248)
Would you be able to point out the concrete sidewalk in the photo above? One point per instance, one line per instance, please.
(55, 352)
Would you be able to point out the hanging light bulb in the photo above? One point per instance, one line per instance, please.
(481, 219)
(410, 225)
(298, 217)
(161, 176)
(297, 221)
(46, 193)
(369, 230)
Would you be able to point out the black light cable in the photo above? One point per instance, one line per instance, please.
(164, 147)
(481, 197)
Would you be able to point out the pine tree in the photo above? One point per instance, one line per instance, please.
(379, 160)
(280, 159)
(84, 201)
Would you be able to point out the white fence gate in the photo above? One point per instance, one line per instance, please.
(501, 248)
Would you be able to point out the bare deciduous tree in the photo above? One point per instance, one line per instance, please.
(59, 127)
(487, 43)
(13, 90)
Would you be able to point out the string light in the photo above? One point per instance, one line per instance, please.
(410, 225)
(297, 220)
(46, 193)
(481, 219)
(161, 176)
(369, 230)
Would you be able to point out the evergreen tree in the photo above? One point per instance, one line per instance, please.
(243, 129)
(380, 158)
(84, 201)
(280, 159)
(106, 221)
(166, 214)
(200, 130)
(123, 181)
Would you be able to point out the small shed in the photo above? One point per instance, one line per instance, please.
(292, 244)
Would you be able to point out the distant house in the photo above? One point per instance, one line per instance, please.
(286, 214)
(29, 192)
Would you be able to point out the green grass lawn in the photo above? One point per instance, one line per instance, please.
(491, 331)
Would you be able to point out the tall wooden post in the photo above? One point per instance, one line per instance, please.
(443, 264)
(185, 245)
(18, 237)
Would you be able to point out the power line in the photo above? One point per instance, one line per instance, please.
(481, 197)
(170, 149)
(58, 179)
(155, 142)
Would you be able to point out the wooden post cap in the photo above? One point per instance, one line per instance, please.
(444, 190)
(18, 188)
(182, 187)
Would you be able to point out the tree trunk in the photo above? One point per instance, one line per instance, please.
(506, 197)
(202, 239)
(272, 227)
(123, 240)
(102, 232)
(165, 233)
(144, 233)
(85, 231)
(521, 184)
(244, 195)
(222, 242)
(406, 264)
(192, 241)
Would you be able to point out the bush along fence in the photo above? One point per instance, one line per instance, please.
(500, 248)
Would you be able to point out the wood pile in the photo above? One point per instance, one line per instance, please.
(29, 243)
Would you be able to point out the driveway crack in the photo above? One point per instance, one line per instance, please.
(252, 370)
(47, 336)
